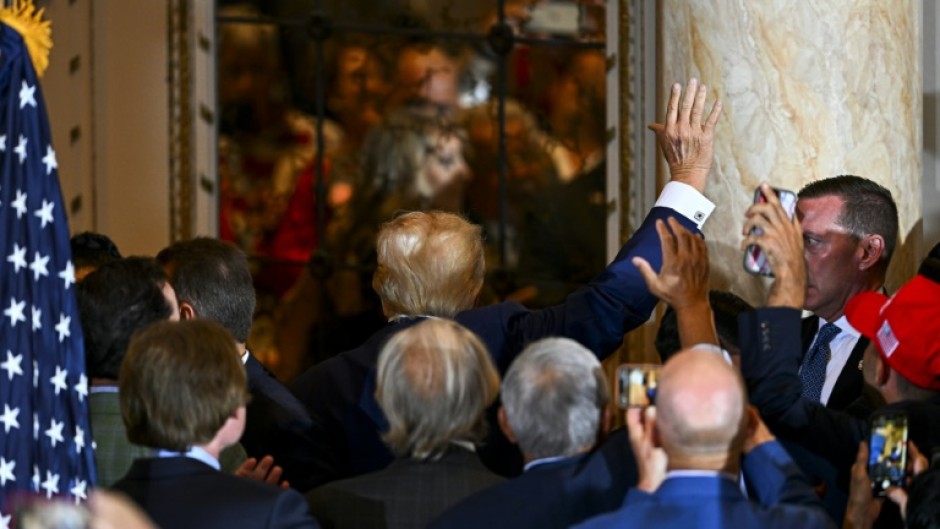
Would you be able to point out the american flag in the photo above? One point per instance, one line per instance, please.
(45, 443)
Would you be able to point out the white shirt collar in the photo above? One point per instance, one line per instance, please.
(196, 453)
(700, 474)
(542, 461)
(845, 328)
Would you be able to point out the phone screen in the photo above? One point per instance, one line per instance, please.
(755, 261)
(636, 385)
(887, 456)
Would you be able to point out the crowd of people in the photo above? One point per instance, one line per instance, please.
(457, 413)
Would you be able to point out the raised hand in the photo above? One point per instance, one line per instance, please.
(781, 239)
(651, 461)
(264, 471)
(687, 143)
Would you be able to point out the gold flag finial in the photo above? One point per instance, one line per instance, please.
(36, 32)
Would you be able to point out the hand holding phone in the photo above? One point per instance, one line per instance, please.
(755, 260)
(887, 456)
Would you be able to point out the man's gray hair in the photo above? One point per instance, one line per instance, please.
(554, 395)
(435, 379)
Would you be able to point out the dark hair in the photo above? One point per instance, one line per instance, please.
(725, 306)
(869, 208)
(180, 382)
(213, 277)
(90, 249)
(114, 301)
(923, 501)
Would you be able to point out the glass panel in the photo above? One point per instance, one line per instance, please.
(330, 125)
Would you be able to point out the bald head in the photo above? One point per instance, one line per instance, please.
(700, 408)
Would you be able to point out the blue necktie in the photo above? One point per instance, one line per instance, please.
(813, 373)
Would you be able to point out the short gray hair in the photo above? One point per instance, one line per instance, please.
(435, 380)
(553, 395)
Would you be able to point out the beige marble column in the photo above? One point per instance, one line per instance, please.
(811, 89)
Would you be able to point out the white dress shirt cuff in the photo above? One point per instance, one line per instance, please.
(687, 201)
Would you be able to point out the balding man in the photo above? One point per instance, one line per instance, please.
(704, 425)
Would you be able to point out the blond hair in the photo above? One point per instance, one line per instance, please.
(429, 263)
(434, 381)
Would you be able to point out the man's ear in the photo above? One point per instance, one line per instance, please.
(870, 250)
(187, 312)
(504, 425)
(882, 371)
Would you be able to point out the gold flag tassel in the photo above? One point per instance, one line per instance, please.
(36, 32)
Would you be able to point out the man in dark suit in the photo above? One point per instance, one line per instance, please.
(212, 281)
(435, 379)
(431, 264)
(703, 425)
(903, 363)
(554, 406)
(183, 394)
(850, 229)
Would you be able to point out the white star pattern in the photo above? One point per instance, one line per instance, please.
(6, 471)
(80, 491)
(68, 275)
(9, 418)
(35, 427)
(79, 439)
(37, 318)
(20, 148)
(45, 213)
(5, 521)
(20, 204)
(15, 312)
(3, 143)
(63, 327)
(18, 257)
(54, 433)
(35, 374)
(27, 95)
(51, 485)
(13, 365)
(49, 160)
(39, 266)
(58, 380)
(35, 478)
(82, 387)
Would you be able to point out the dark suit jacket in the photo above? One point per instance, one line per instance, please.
(556, 494)
(782, 499)
(849, 386)
(407, 494)
(182, 493)
(278, 425)
(340, 392)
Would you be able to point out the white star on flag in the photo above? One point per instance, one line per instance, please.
(15, 312)
(51, 485)
(79, 491)
(20, 204)
(63, 327)
(18, 257)
(36, 478)
(13, 365)
(49, 160)
(9, 418)
(6, 471)
(27, 95)
(5, 521)
(35, 374)
(37, 318)
(35, 427)
(82, 387)
(45, 213)
(20, 148)
(68, 275)
(54, 433)
(38, 266)
(79, 439)
(58, 380)
(3, 143)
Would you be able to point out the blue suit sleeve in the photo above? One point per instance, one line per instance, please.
(773, 478)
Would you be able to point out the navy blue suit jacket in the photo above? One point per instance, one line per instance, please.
(277, 424)
(340, 392)
(555, 494)
(782, 499)
(184, 493)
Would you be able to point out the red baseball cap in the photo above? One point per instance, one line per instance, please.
(905, 328)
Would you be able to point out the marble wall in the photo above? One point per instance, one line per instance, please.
(811, 89)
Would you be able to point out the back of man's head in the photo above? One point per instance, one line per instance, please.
(180, 383)
(701, 406)
(115, 301)
(726, 307)
(434, 381)
(429, 263)
(868, 208)
(213, 278)
(554, 395)
(91, 250)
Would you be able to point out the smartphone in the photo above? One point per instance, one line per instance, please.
(755, 261)
(636, 385)
(887, 456)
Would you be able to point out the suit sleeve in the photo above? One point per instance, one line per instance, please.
(774, 478)
(770, 359)
(291, 511)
